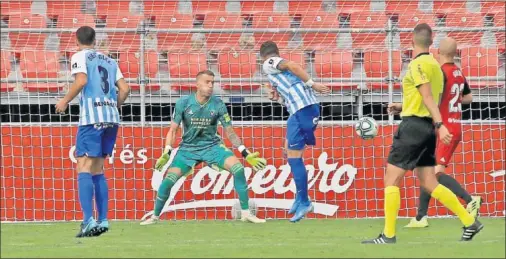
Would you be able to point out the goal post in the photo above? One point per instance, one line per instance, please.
(359, 48)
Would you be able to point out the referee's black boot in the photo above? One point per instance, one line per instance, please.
(381, 239)
(471, 231)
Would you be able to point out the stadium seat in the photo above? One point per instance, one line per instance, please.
(186, 65)
(352, 6)
(252, 7)
(237, 65)
(301, 8)
(24, 40)
(295, 56)
(4, 87)
(129, 64)
(448, 6)
(56, 8)
(75, 20)
(204, 7)
(400, 7)
(115, 8)
(8, 8)
(123, 40)
(5, 65)
(477, 61)
(217, 41)
(410, 20)
(271, 20)
(334, 65)
(459, 20)
(40, 65)
(154, 8)
(376, 66)
(174, 41)
(368, 20)
(493, 7)
(321, 20)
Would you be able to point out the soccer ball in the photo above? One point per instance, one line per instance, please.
(236, 209)
(366, 128)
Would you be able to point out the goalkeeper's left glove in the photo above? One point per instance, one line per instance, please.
(258, 163)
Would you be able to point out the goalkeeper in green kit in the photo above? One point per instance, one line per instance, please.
(200, 113)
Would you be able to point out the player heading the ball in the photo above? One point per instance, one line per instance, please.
(200, 114)
(456, 92)
(414, 142)
(95, 77)
(290, 82)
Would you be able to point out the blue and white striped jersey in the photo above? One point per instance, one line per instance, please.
(98, 101)
(293, 90)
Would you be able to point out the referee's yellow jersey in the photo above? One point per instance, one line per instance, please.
(424, 68)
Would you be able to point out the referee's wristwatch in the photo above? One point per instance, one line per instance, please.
(438, 124)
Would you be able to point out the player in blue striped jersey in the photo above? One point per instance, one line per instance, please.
(95, 78)
(290, 81)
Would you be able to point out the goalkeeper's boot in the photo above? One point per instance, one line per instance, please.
(103, 226)
(87, 228)
(381, 239)
(422, 223)
(474, 206)
(471, 231)
(151, 220)
(246, 216)
(295, 205)
(302, 211)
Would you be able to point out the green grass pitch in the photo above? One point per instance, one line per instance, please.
(279, 238)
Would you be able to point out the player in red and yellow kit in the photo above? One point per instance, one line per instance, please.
(456, 92)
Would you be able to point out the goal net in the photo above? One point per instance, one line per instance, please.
(359, 48)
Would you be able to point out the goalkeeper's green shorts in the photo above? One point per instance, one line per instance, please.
(214, 156)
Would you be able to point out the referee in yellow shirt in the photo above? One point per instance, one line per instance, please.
(414, 142)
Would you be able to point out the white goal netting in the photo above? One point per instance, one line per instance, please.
(359, 48)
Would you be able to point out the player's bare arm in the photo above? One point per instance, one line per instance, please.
(428, 100)
(123, 91)
(298, 71)
(232, 136)
(394, 108)
(81, 79)
(253, 159)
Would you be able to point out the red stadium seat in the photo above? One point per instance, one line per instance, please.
(154, 8)
(304, 7)
(376, 66)
(295, 56)
(477, 61)
(251, 7)
(115, 8)
(24, 40)
(174, 41)
(129, 64)
(56, 8)
(335, 65)
(352, 6)
(368, 20)
(67, 39)
(217, 41)
(321, 20)
(496, 10)
(271, 20)
(204, 7)
(448, 6)
(5, 65)
(465, 20)
(237, 65)
(410, 20)
(41, 65)
(4, 87)
(186, 65)
(8, 8)
(400, 7)
(123, 40)
(493, 7)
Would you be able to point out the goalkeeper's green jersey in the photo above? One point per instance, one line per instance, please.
(200, 121)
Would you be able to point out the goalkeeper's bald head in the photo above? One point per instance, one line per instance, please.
(422, 36)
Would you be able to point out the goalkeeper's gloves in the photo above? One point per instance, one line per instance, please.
(258, 163)
(164, 159)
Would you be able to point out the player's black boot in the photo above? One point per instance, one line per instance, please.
(471, 231)
(381, 239)
(87, 230)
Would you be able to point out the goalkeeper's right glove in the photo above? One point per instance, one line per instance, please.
(258, 163)
(164, 159)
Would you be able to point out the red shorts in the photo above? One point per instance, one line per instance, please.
(444, 152)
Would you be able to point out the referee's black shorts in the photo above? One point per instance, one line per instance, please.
(414, 144)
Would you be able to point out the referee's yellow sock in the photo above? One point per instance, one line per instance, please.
(392, 205)
(450, 201)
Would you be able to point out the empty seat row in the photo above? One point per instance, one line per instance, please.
(43, 65)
